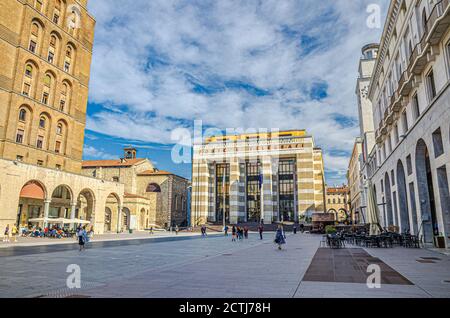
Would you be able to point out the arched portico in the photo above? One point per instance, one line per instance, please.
(429, 224)
(113, 213)
(33, 203)
(388, 198)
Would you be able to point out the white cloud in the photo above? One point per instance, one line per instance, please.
(146, 52)
(94, 153)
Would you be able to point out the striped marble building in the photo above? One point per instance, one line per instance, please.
(269, 177)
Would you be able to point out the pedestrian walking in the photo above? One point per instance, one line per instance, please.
(233, 234)
(81, 238)
(225, 230)
(302, 228)
(294, 229)
(238, 233)
(177, 229)
(6, 237)
(246, 232)
(280, 237)
(15, 232)
(151, 230)
(261, 231)
(204, 231)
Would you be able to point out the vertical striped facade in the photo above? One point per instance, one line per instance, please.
(216, 194)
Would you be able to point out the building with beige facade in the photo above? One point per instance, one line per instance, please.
(269, 177)
(355, 182)
(409, 90)
(153, 198)
(45, 54)
(338, 202)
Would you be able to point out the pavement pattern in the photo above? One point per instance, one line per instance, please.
(177, 267)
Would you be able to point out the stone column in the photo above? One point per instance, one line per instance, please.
(267, 195)
(119, 218)
(234, 191)
(46, 211)
(73, 211)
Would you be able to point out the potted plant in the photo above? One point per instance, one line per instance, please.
(330, 229)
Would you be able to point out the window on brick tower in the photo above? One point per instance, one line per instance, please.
(51, 57)
(67, 67)
(40, 142)
(45, 98)
(59, 129)
(56, 18)
(38, 4)
(58, 147)
(26, 89)
(42, 122)
(32, 46)
(62, 105)
(19, 136)
(53, 41)
(22, 115)
(29, 71)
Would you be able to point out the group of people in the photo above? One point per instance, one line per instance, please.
(239, 233)
(13, 231)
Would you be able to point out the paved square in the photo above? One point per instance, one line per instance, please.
(197, 267)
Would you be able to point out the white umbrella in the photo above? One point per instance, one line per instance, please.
(37, 220)
(78, 221)
(373, 213)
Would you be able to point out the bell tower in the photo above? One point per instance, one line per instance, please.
(130, 153)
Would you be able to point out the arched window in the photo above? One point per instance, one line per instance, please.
(59, 129)
(65, 97)
(48, 80)
(153, 187)
(69, 57)
(42, 122)
(22, 115)
(53, 41)
(35, 29)
(29, 71)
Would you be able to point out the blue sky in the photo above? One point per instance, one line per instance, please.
(159, 65)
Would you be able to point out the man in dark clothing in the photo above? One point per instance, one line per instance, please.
(261, 231)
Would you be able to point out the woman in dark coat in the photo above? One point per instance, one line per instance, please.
(280, 238)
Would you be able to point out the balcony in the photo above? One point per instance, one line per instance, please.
(437, 24)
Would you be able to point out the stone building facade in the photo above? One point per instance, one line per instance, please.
(45, 54)
(410, 165)
(338, 202)
(269, 177)
(355, 182)
(153, 198)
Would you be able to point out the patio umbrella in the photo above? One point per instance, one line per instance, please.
(78, 221)
(373, 213)
(37, 220)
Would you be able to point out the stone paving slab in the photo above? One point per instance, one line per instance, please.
(211, 267)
